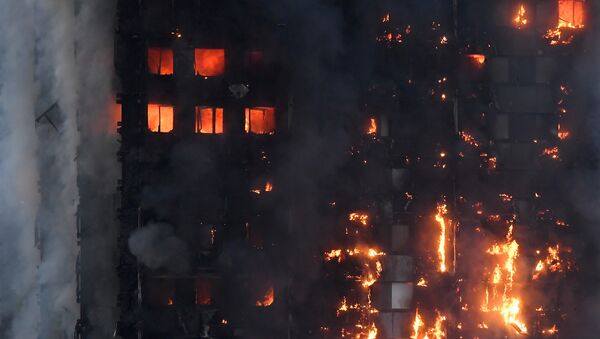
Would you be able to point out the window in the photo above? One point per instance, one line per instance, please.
(260, 120)
(160, 118)
(209, 120)
(203, 291)
(160, 61)
(570, 13)
(209, 62)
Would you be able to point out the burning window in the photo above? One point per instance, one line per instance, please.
(160, 118)
(209, 120)
(570, 13)
(203, 291)
(209, 62)
(160, 61)
(260, 120)
(477, 59)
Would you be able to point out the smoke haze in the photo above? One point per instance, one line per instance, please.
(57, 60)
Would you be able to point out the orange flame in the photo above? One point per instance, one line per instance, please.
(520, 20)
(372, 127)
(507, 305)
(570, 17)
(360, 217)
(437, 331)
(478, 59)
(268, 298)
(440, 218)
(551, 152)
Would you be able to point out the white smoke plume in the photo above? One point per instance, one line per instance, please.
(42, 63)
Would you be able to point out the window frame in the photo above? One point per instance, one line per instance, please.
(163, 53)
(159, 118)
(248, 119)
(215, 113)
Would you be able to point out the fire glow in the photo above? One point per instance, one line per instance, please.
(500, 296)
(440, 218)
(268, 299)
(571, 15)
(520, 19)
(372, 130)
(360, 312)
(421, 332)
(477, 59)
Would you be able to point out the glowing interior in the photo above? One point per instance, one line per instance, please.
(160, 118)
(260, 120)
(209, 62)
(209, 120)
(160, 61)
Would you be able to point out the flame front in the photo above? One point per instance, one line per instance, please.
(420, 332)
(502, 298)
(441, 250)
(360, 312)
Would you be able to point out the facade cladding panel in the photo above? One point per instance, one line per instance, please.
(284, 178)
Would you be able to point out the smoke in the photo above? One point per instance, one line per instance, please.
(19, 175)
(42, 71)
(157, 246)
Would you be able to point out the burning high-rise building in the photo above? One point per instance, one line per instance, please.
(301, 169)
(385, 173)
